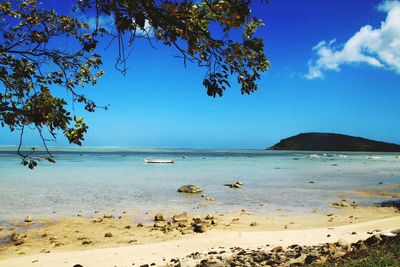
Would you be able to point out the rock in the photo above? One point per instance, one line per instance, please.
(341, 204)
(108, 235)
(19, 242)
(375, 239)
(17, 238)
(97, 220)
(344, 204)
(140, 224)
(167, 228)
(342, 243)
(237, 184)
(158, 224)
(387, 236)
(331, 248)
(108, 216)
(28, 219)
(311, 256)
(196, 220)
(80, 214)
(183, 217)
(277, 249)
(190, 189)
(301, 260)
(182, 225)
(185, 231)
(200, 228)
(361, 245)
(336, 204)
(253, 224)
(339, 253)
(396, 232)
(209, 217)
(159, 217)
(53, 239)
(321, 260)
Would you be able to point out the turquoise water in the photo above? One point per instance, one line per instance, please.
(117, 179)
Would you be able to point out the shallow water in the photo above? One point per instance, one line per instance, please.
(118, 179)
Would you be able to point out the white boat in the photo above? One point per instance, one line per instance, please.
(159, 160)
(374, 157)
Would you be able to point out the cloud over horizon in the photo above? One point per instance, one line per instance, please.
(378, 47)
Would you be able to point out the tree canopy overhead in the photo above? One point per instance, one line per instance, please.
(32, 64)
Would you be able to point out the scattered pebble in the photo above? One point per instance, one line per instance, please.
(108, 216)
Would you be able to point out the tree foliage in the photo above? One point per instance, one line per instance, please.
(32, 64)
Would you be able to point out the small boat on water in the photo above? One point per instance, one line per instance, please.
(373, 157)
(159, 160)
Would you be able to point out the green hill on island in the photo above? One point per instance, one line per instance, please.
(333, 142)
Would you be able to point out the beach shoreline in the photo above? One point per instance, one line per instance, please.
(85, 240)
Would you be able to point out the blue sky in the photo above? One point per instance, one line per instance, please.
(350, 86)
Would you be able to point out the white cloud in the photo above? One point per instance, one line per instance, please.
(147, 31)
(106, 22)
(379, 47)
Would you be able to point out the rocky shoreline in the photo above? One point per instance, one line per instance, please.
(180, 241)
(294, 255)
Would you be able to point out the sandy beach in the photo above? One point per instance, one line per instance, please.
(100, 240)
(117, 218)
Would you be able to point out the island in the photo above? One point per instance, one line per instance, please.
(333, 142)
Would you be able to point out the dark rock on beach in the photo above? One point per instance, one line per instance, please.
(159, 217)
(237, 184)
(190, 189)
(183, 217)
(108, 235)
(17, 238)
(332, 254)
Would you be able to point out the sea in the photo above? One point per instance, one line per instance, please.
(111, 179)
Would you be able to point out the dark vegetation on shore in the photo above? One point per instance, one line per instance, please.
(384, 254)
(333, 142)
